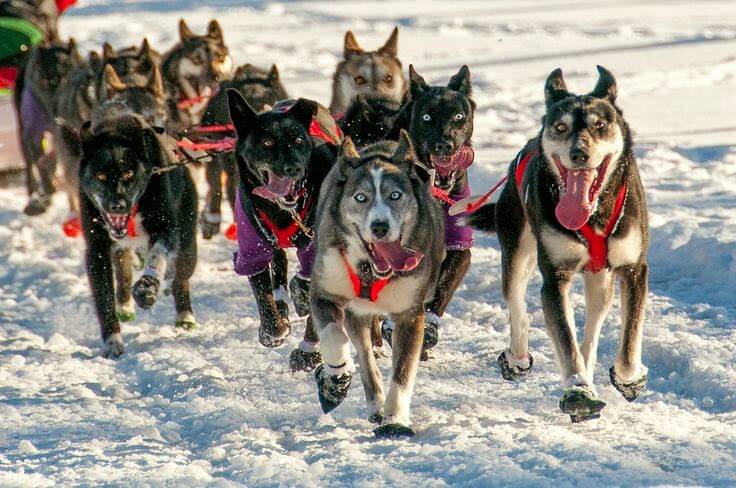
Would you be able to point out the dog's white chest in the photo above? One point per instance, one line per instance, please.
(563, 248)
(625, 250)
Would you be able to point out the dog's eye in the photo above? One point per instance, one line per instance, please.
(196, 60)
(388, 78)
(128, 175)
(426, 117)
(360, 198)
(600, 125)
(560, 127)
(151, 119)
(298, 141)
(221, 58)
(268, 143)
(360, 80)
(101, 176)
(395, 195)
(458, 117)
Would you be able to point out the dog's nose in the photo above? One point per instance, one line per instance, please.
(443, 148)
(292, 171)
(579, 157)
(379, 228)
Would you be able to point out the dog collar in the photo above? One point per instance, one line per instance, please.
(597, 243)
(364, 289)
(284, 236)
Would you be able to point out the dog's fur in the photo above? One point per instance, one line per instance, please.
(261, 89)
(291, 153)
(45, 70)
(348, 225)
(369, 119)
(376, 73)
(194, 65)
(119, 174)
(442, 135)
(580, 132)
(133, 65)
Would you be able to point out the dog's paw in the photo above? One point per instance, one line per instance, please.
(514, 368)
(301, 360)
(145, 291)
(631, 389)
(299, 291)
(376, 418)
(393, 428)
(185, 320)
(125, 312)
(387, 329)
(331, 389)
(580, 403)
(432, 324)
(113, 348)
(210, 224)
(37, 204)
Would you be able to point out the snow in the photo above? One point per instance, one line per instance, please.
(212, 407)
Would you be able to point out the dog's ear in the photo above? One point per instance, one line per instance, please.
(94, 60)
(303, 111)
(185, 33)
(155, 84)
(243, 116)
(351, 46)
(404, 155)
(145, 49)
(461, 81)
(108, 52)
(113, 83)
(606, 86)
(273, 75)
(555, 88)
(417, 85)
(214, 31)
(391, 48)
(348, 157)
(74, 51)
(151, 148)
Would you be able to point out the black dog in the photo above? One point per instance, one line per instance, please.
(439, 120)
(261, 89)
(369, 119)
(282, 164)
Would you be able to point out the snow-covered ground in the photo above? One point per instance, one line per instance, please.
(212, 407)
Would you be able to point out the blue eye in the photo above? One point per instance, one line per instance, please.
(458, 117)
(426, 117)
(360, 198)
(395, 195)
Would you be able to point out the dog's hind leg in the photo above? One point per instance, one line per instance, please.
(407, 345)
(124, 305)
(628, 374)
(211, 215)
(579, 398)
(359, 330)
(598, 301)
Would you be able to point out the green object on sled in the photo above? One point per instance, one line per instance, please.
(17, 36)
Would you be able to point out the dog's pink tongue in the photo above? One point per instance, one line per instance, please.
(276, 188)
(395, 256)
(575, 207)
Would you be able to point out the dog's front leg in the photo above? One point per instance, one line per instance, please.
(212, 215)
(274, 327)
(145, 290)
(359, 329)
(124, 307)
(628, 375)
(454, 268)
(407, 346)
(598, 301)
(335, 374)
(99, 271)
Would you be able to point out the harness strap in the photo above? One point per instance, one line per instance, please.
(285, 235)
(597, 243)
(131, 222)
(369, 291)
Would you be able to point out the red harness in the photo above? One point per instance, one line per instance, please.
(597, 243)
(362, 289)
(284, 235)
(131, 222)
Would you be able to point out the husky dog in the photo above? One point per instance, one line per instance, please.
(440, 122)
(369, 119)
(132, 65)
(36, 95)
(261, 89)
(282, 161)
(128, 203)
(379, 248)
(376, 73)
(192, 70)
(574, 202)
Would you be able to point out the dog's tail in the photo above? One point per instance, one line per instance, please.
(483, 219)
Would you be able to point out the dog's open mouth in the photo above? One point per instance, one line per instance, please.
(388, 257)
(278, 188)
(117, 224)
(582, 189)
(461, 159)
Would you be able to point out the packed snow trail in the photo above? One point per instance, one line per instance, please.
(212, 407)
